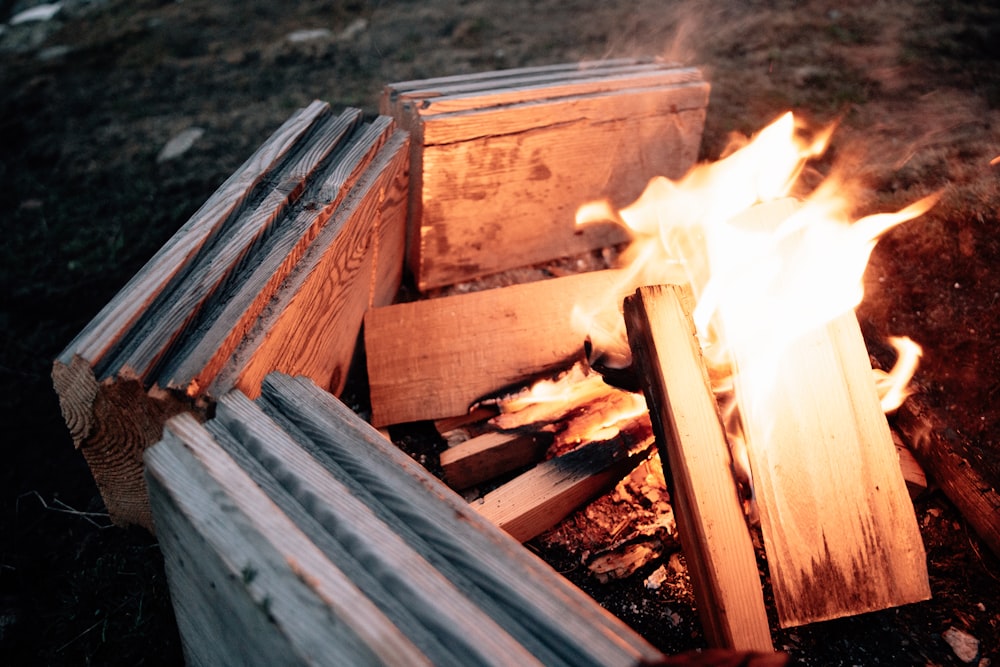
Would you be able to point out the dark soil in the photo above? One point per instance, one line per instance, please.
(88, 99)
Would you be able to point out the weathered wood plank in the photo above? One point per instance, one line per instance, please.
(838, 524)
(693, 447)
(567, 621)
(522, 90)
(339, 271)
(165, 322)
(232, 260)
(473, 344)
(471, 635)
(170, 263)
(230, 314)
(311, 519)
(433, 87)
(243, 545)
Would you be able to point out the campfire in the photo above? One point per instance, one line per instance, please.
(768, 272)
(676, 341)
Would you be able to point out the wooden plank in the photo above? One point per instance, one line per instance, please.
(942, 453)
(312, 326)
(312, 522)
(838, 525)
(228, 317)
(110, 416)
(471, 635)
(165, 322)
(693, 446)
(299, 599)
(500, 187)
(417, 88)
(517, 91)
(170, 263)
(477, 137)
(232, 258)
(540, 498)
(473, 344)
(489, 455)
(564, 619)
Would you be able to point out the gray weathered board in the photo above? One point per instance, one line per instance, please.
(324, 197)
(501, 161)
(294, 533)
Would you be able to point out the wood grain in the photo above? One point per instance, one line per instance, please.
(501, 163)
(106, 330)
(473, 344)
(298, 597)
(234, 311)
(693, 447)
(838, 525)
(565, 619)
(312, 326)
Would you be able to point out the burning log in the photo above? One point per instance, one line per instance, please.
(710, 518)
(838, 524)
(519, 137)
(935, 447)
(211, 309)
(543, 496)
(472, 344)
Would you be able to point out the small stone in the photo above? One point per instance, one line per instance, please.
(656, 579)
(180, 144)
(308, 35)
(44, 12)
(965, 646)
(353, 29)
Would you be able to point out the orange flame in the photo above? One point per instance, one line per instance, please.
(762, 265)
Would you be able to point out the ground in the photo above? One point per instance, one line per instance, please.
(89, 98)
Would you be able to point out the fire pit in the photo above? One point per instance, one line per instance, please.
(235, 294)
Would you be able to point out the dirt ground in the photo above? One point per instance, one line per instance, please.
(89, 98)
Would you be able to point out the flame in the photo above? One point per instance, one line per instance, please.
(762, 264)
(893, 387)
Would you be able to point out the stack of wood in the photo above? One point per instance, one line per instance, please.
(502, 160)
(274, 271)
(294, 532)
(840, 532)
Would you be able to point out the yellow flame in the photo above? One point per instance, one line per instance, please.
(893, 387)
(762, 265)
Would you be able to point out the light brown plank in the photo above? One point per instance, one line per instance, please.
(500, 188)
(111, 324)
(713, 531)
(489, 455)
(165, 322)
(838, 525)
(469, 345)
(540, 498)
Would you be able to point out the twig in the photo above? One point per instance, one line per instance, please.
(66, 509)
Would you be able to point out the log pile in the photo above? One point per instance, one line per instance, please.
(315, 215)
(291, 528)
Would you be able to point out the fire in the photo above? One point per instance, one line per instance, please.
(765, 267)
